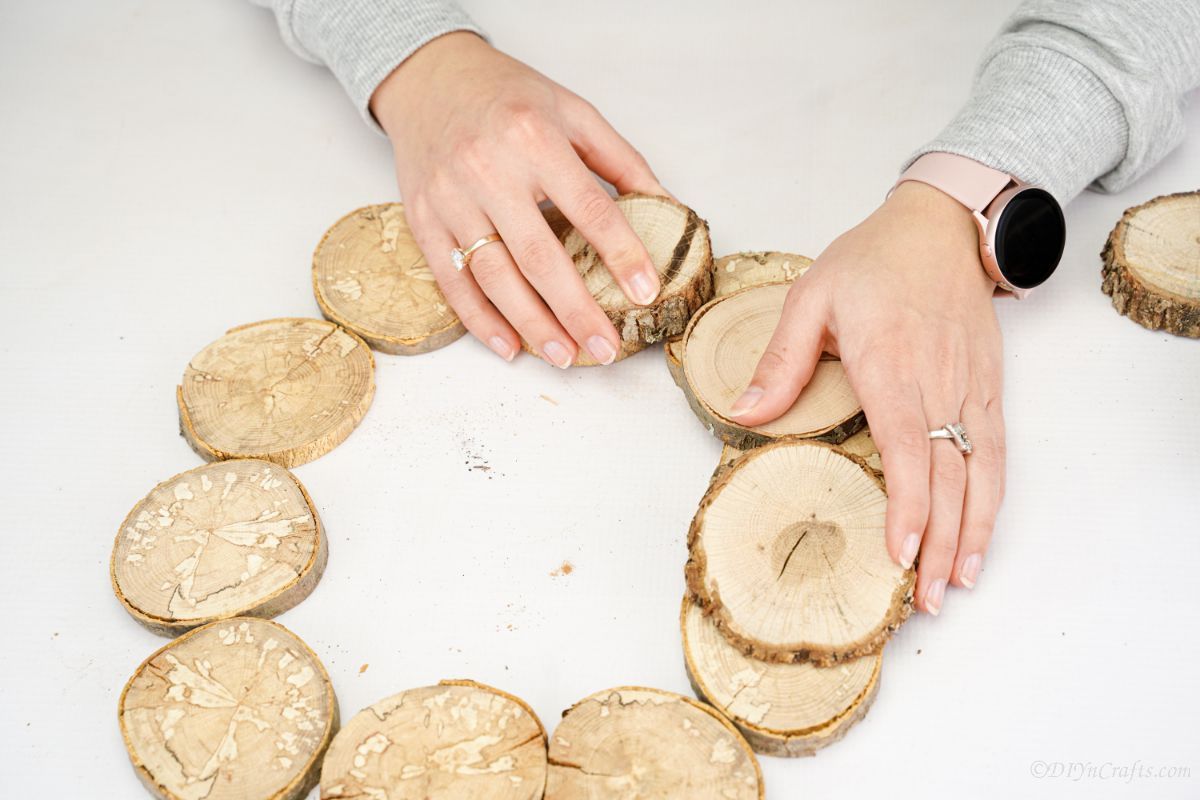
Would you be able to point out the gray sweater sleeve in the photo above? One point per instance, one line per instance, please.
(362, 41)
(1079, 92)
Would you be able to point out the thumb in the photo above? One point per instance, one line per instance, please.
(788, 363)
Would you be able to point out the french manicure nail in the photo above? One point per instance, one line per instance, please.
(908, 550)
(747, 401)
(644, 288)
(559, 356)
(601, 350)
(934, 595)
(502, 348)
(970, 571)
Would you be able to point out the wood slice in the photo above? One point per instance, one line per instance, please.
(1152, 264)
(632, 742)
(862, 445)
(673, 353)
(454, 741)
(782, 709)
(283, 390)
(232, 710)
(786, 554)
(231, 539)
(742, 270)
(721, 348)
(369, 276)
(678, 244)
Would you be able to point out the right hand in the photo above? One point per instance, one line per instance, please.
(480, 139)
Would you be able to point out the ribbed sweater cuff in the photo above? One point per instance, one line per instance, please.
(362, 41)
(1040, 116)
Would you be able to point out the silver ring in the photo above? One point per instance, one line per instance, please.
(461, 257)
(956, 433)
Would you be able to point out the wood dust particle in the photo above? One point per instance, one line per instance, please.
(363, 668)
(548, 399)
(566, 569)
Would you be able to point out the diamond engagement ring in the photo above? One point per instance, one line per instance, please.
(956, 432)
(461, 258)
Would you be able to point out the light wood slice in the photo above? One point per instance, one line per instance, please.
(782, 709)
(369, 276)
(235, 710)
(1152, 264)
(678, 244)
(786, 554)
(648, 744)
(862, 445)
(721, 349)
(454, 741)
(235, 538)
(742, 270)
(283, 390)
(673, 353)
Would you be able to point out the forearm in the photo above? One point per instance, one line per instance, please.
(363, 41)
(1074, 93)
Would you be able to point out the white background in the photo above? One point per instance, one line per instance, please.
(167, 168)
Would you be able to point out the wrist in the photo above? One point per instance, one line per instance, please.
(942, 227)
(397, 94)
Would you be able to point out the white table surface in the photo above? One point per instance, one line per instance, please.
(167, 168)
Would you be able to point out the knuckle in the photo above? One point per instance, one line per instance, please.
(526, 123)
(908, 442)
(595, 208)
(576, 318)
(536, 257)
(943, 546)
(772, 363)
(487, 269)
(950, 474)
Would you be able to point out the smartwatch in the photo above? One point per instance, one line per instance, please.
(1021, 227)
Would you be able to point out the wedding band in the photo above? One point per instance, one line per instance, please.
(957, 433)
(461, 258)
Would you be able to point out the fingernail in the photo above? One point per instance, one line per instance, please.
(747, 401)
(908, 550)
(933, 596)
(601, 350)
(970, 571)
(502, 348)
(559, 356)
(644, 287)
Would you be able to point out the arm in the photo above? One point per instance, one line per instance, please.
(1068, 94)
(479, 140)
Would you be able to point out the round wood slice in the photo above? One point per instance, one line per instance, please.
(782, 709)
(862, 445)
(786, 554)
(230, 539)
(233, 710)
(678, 244)
(631, 742)
(743, 270)
(370, 277)
(283, 390)
(454, 741)
(1152, 264)
(721, 349)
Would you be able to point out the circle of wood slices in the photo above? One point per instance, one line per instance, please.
(679, 248)
(787, 555)
(1152, 264)
(453, 741)
(782, 709)
(739, 271)
(232, 710)
(230, 539)
(370, 277)
(283, 390)
(635, 742)
(721, 349)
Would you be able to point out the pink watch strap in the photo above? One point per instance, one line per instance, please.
(967, 181)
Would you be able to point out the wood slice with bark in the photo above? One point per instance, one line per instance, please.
(632, 742)
(457, 740)
(739, 271)
(370, 277)
(862, 444)
(283, 390)
(786, 554)
(235, 709)
(230, 539)
(673, 353)
(1152, 264)
(679, 247)
(782, 709)
(721, 349)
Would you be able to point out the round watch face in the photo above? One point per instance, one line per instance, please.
(1029, 238)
